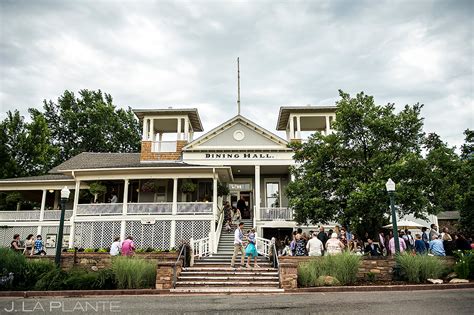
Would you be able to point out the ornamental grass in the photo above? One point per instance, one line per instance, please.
(133, 273)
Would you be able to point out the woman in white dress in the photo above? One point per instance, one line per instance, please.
(236, 216)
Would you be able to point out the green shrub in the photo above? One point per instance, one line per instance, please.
(105, 280)
(79, 279)
(12, 261)
(52, 280)
(371, 277)
(343, 267)
(133, 273)
(464, 266)
(326, 281)
(419, 268)
(35, 269)
(89, 250)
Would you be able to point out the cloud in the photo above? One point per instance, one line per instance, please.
(183, 54)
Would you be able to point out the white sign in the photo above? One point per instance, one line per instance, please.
(239, 156)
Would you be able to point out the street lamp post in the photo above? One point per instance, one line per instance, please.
(390, 185)
(59, 242)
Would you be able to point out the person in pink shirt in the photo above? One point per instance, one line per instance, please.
(128, 247)
(391, 245)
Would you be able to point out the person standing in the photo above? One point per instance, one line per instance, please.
(115, 247)
(242, 206)
(425, 237)
(238, 245)
(391, 245)
(433, 232)
(251, 250)
(314, 246)
(128, 247)
(322, 236)
(420, 247)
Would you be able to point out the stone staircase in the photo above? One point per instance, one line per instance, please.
(215, 275)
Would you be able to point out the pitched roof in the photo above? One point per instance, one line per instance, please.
(285, 111)
(92, 160)
(48, 177)
(222, 127)
(191, 112)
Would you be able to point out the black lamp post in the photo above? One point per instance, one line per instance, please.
(59, 242)
(390, 185)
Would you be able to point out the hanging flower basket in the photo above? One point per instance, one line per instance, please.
(188, 187)
(149, 186)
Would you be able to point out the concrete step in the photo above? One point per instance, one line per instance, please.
(226, 290)
(228, 278)
(236, 273)
(227, 268)
(259, 284)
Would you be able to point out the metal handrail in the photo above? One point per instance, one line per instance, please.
(276, 262)
(183, 248)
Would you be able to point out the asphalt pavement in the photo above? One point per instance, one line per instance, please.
(459, 301)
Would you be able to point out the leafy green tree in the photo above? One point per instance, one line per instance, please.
(25, 148)
(341, 177)
(90, 123)
(467, 184)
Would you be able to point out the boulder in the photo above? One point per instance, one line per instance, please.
(456, 280)
(452, 275)
(327, 281)
(435, 281)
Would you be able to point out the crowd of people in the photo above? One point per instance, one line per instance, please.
(31, 246)
(318, 243)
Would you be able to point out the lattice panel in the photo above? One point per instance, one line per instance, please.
(185, 230)
(96, 234)
(155, 235)
(7, 232)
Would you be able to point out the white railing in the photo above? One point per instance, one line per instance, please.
(55, 215)
(201, 247)
(276, 214)
(20, 215)
(164, 146)
(194, 208)
(34, 215)
(99, 209)
(220, 223)
(150, 208)
(263, 246)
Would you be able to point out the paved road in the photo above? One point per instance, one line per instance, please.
(416, 302)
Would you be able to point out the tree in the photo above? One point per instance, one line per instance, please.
(467, 185)
(90, 123)
(341, 177)
(25, 148)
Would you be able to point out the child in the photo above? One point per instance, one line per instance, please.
(227, 227)
(39, 246)
(251, 250)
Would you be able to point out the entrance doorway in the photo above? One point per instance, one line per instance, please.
(245, 210)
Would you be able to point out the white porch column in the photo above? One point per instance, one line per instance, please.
(186, 128)
(179, 129)
(214, 214)
(298, 127)
(292, 128)
(43, 206)
(152, 130)
(256, 215)
(145, 132)
(73, 216)
(327, 125)
(123, 222)
(174, 211)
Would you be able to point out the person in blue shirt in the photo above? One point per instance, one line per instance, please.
(436, 246)
(420, 247)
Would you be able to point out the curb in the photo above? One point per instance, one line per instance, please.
(385, 288)
(80, 293)
(84, 293)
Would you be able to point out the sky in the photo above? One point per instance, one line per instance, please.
(156, 54)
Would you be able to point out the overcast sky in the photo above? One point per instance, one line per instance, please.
(152, 54)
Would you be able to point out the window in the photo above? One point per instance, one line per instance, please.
(273, 194)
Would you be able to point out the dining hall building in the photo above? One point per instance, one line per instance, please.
(171, 192)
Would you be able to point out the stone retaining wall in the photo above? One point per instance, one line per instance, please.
(381, 267)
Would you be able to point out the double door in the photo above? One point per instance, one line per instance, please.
(235, 196)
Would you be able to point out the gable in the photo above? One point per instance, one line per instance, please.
(238, 134)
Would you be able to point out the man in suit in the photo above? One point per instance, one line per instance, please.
(372, 249)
